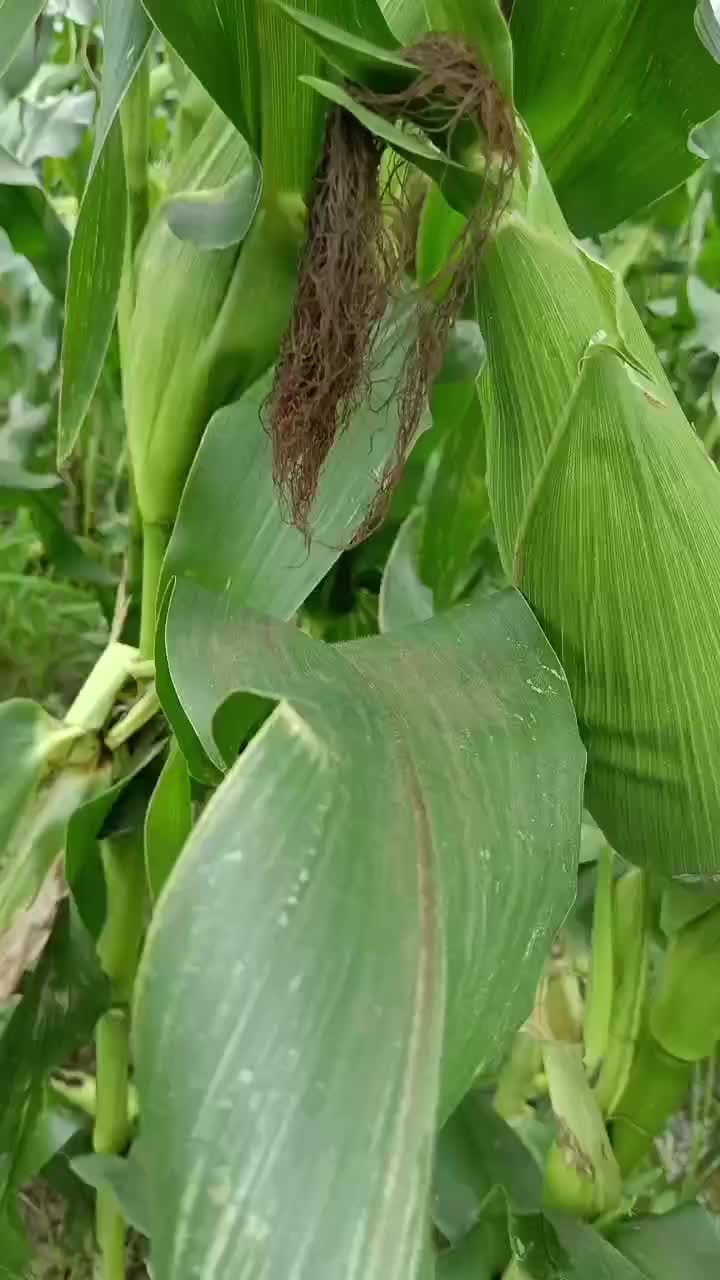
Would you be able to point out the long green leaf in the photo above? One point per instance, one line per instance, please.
(98, 245)
(395, 847)
(232, 544)
(218, 41)
(610, 92)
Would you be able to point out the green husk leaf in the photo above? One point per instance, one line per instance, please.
(376, 65)
(607, 511)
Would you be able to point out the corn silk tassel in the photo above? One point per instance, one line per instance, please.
(607, 511)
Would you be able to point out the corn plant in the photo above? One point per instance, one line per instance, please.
(395, 923)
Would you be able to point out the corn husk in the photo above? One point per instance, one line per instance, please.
(607, 512)
(203, 323)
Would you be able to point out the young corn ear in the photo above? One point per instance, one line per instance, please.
(607, 512)
(203, 324)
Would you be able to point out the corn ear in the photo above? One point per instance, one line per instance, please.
(598, 1004)
(203, 324)
(581, 1173)
(607, 511)
(631, 946)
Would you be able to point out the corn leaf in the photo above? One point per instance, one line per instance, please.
(404, 598)
(16, 18)
(607, 511)
(168, 819)
(456, 508)
(218, 41)
(378, 66)
(98, 245)
(478, 1151)
(609, 93)
(396, 845)
(232, 545)
(662, 1246)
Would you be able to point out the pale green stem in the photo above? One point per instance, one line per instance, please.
(155, 541)
(118, 951)
(140, 714)
(95, 701)
(110, 1230)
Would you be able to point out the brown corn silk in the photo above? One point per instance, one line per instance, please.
(607, 511)
(352, 269)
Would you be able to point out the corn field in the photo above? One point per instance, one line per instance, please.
(359, 639)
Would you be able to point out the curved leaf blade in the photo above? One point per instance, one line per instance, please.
(231, 544)
(220, 218)
(611, 124)
(374, 927)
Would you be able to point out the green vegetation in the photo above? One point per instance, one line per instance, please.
(359, 628)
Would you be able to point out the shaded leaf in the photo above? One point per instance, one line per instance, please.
(457, 507)
(375, 926)
(611, 128)
(404, 598)
(98, 817)
(684, 1242)
(62, 1000)
(168, 820)
(125, 1178)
